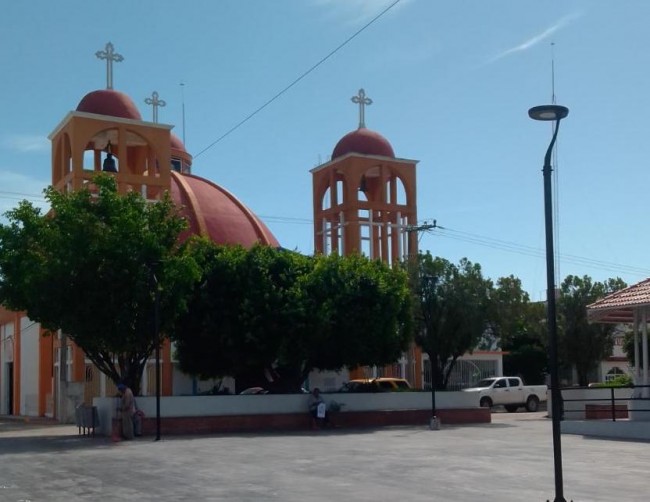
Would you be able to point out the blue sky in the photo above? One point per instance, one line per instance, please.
(451, 83)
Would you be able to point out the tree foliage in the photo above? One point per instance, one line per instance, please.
(452, 310)
(360, 311)
(86, 268)
(268, 316)
(628, 348)
(583, 344)
(519, 327)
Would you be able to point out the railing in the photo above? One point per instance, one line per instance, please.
(603, 402)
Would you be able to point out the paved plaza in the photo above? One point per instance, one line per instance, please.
(506, 461)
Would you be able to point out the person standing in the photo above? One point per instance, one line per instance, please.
(127, 410)
(317, 409)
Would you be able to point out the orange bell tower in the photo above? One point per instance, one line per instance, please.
(106, 133)
(365, 197)
(365, 203)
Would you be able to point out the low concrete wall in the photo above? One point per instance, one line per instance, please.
(605, 411)
(621, 429)
(289, 411)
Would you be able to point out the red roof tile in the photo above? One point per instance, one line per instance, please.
(619, 307)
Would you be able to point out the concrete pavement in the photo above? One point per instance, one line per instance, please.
(506, 461)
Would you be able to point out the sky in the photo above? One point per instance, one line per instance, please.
(451, 83)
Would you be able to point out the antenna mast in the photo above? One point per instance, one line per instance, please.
(556, 180)
(182, 84)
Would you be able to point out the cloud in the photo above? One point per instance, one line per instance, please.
(25, 143)
(533, 41)
(358, 11)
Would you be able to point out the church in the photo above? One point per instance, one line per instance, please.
(364, 201)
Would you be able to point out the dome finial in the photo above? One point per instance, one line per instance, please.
(155, 103)
(109, 55)
(362, 101)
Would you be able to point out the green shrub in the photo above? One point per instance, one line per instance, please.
(618, 381)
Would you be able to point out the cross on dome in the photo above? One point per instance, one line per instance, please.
(362, 101)
(155, 103)
(109, 55)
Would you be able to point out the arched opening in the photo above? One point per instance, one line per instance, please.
(340, 193)
(396, 191)
(67, 152)
(366, 247)
(613, 373)
(325, 201)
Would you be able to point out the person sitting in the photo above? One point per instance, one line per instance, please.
(317, 409)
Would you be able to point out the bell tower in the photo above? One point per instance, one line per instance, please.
(364, 197)
(106, 133)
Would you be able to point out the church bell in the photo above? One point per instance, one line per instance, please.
(109, 165)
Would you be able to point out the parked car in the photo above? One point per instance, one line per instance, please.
(384, 384)
(509, 392)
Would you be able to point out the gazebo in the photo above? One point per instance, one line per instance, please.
(628, 306)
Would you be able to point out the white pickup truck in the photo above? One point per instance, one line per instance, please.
(510, 392)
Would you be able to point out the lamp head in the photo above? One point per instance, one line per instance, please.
(548, 112)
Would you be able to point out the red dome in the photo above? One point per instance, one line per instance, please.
(214, 212)
(176, 143)
(365, 142)
(109, 102)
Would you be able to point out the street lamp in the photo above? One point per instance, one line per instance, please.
(552, 113)
(156, 338)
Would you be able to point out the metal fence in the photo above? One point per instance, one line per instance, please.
(604, 403)
(465, 373)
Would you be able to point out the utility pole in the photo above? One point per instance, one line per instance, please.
(434, 424)
(423, 227)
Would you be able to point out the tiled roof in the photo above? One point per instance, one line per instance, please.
(619, 307)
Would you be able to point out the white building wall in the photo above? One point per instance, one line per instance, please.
(29, 365)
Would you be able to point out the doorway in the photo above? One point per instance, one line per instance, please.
(10, 390)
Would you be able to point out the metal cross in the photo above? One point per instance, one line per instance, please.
(155, 102)
(109, 55)
(362, 101)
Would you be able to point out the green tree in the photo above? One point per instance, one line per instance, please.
(628, 348)
(359, 312)
(452, 310)
(268, 317)
(87, 267)
(518, 326)
(508, 310)
(246, 305)
(584, 344)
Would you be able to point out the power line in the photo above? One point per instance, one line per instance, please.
(431, 225)
(16, 195)
(536, 252)
(303, 75)
(286, 219)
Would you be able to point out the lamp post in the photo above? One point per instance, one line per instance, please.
(157, 329)
(156, 338)
(552, 113)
